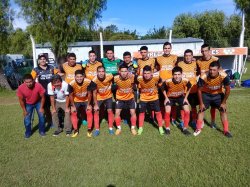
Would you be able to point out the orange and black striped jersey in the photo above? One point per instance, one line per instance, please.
(142, 63)
(204, 64)
(213, 85)
(176, 89)
(91, 69)
(148, 88)
(69, 71)
(166, 64)
(80, 91)
(124, 87)
(189, 71)
(103, 87)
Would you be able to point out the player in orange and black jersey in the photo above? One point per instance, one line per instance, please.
(203, 64)
(103, 82)
(68, 68)
(148, 89)
(125, 98)
(90, 66)
(210, 93)
(189, 71)
(81, 90)
(176, 91)
(145, 60)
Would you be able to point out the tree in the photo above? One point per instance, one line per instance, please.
(186, 25)
(59, 22)
(232, 30)
(156, 33)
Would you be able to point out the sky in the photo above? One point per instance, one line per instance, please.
(143, 15)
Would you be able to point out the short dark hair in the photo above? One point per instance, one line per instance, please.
(188, 51)
(147, 68)
(205, 45)
(109, 50)
(28, 76)
(92, 51)
(79, 71)
(71, 55)
(176, 69)
(167, 43)
(126, 53)
(123, 66)
(144, 48)
(99, 67)
(215, 64)
(56, 77)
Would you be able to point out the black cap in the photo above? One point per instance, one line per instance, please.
(42, 55)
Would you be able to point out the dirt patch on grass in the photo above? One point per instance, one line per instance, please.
(8, 101)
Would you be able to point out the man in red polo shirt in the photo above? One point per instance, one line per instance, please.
(31, 96)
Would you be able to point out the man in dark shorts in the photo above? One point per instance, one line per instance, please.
(210, 93)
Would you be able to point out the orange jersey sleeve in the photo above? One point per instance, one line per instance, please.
(124, 88)
(80, 92)
(104, 87)
(166, 63)
(148, 89)
(91, 69)
(33, 73)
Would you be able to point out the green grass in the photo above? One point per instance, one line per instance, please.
(148, 160)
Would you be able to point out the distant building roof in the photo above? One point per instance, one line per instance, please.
(127, 42)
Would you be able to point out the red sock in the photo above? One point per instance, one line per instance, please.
(110, 119)
(173, 112)
(194, 114)
(225, 125)
(118, 121)
(153, 114)
(186, 118)
(182, 115)
(74, 120)
(89, 118)
(159, 118)
(213, 113)
(167, 119)
(199, 124)
(141, 119)
(133, 121)
(96, 120)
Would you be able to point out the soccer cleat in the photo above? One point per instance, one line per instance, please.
(27, 136)
(197, 132)
(228, 134)
(174, 122)
(118, 132)
(56, 133)
(42, 134)
(68, 133)
(213, 125)
(140, 130)
(111, 132)
(161, 131)
(89, 134)
(75, 133)
(133, 131)
(167, 131)
(186, 132)
(96, 133)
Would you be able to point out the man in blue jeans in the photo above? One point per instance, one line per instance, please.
(31, 96)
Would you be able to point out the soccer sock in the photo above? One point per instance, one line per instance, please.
(186, 118)
(118, 122)
(153, 115)
(167, 119)
(96, 120)
(199, 124)
(213, 113)
(225, 125)
(141, 119)
(133, 121)
(89, 118)
(194, 114)
(74, 120)
(182, 115)
(173, 112)
(110, 119)
(159, 118)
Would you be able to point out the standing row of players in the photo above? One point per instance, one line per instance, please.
(159, 80)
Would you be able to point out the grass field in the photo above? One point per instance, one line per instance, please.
(148, 160)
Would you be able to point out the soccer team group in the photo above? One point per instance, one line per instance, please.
(160, 87)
